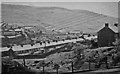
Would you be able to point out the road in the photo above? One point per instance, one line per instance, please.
(37, 45)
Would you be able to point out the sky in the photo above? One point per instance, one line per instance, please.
(107, 8)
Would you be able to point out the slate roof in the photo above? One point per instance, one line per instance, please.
(112, 27)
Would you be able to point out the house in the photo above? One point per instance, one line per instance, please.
(107, 35)
(9, 33)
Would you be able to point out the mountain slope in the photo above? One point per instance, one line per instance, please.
(55, 18)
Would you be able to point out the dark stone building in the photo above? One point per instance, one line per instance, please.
(106, 36)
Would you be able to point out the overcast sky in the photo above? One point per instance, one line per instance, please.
(107, 8)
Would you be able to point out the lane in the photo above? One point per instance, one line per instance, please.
(37, 45)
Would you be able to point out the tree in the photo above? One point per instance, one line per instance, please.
(79, 56)
(117, 44)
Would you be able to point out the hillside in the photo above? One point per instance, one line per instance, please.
(55, 18)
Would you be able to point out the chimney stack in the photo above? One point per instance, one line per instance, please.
(106, 24)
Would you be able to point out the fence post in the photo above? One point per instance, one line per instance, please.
(57, 70)
(72, 67)
(89, 63)
(56, 66)
(43, 66)
(106, 62)
(43, 69)
(24, 61)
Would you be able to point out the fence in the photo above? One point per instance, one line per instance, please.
(90, 66)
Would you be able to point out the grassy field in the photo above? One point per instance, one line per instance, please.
(55, 18)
